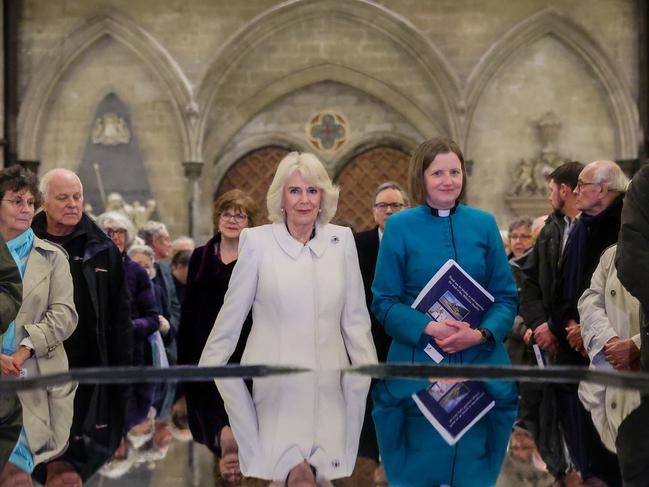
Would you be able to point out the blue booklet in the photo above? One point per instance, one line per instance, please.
(453, 408)
(452, 294)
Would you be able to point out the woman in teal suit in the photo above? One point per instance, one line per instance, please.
(416, 243)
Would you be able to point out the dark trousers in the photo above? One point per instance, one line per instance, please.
(633, 446)
(587, 452)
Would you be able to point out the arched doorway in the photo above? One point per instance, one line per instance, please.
(359, 179)
(253, 174)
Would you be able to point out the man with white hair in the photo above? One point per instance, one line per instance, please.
(600, 192)
(103, 337)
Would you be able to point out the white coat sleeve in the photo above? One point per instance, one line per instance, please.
(596, 328)
(237, 302)
(222, 342)
(355, 320)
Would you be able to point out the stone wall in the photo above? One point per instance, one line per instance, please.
(208, 80)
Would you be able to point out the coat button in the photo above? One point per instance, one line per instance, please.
(335, 463)
(613, 292)
(613, 405)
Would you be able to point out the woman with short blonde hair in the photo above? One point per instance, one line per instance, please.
(314, 173)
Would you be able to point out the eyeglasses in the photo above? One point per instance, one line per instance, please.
(520, 236)
(237, 217)
(392, 206)
(115, 231)
(20, 202)
(581, 183)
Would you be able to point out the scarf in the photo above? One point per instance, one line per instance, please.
(20, 248)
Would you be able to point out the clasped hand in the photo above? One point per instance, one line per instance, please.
(622, 354)
(453, 336)
(13, 364)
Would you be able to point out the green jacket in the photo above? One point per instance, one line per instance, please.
(11, 293)
(11, 288)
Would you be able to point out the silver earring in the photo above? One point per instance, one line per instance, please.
(282, 210)
(319, 210)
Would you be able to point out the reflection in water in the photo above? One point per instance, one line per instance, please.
(312, 416)
(308, 417)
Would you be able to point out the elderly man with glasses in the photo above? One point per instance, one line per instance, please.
(389, 198)
(599, 194)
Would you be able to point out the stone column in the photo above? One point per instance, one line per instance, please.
(193, 170)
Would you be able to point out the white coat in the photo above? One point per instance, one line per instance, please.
(607, 310)
(308, 310)
(48, 317)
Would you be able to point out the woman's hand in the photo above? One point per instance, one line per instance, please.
(21, 355)
(464, 337)
(8, 365)
(443, 329)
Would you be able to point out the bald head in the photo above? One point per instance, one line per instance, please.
(58, 174)
(609, 172)
(600, 182)
(62, 200)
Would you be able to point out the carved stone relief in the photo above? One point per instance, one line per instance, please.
(529, 189)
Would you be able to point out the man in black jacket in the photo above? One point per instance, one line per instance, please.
(538, 412)
(632, 262)
(389, 198)
(103, 337)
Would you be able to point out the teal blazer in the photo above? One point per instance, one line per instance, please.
(415, 244)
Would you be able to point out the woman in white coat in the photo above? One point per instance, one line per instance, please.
(301, 277)
(610, 327)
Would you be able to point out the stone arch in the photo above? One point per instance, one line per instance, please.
(231, 155)
(548, 22)
(370, 141)
(359, 177)
(37, 98)
(330, 72)
(373, 16)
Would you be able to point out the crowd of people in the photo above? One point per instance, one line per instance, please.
(301, 291)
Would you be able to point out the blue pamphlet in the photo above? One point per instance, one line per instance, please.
(452, 294)
(453, 408)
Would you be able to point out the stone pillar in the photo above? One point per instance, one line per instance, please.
(193, 170)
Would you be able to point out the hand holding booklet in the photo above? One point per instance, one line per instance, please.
(453, 408)
(452, 294)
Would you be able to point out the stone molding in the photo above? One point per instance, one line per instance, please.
(437, 69)
(235, 151)
(370, 141)
(36, 102)
(548, 22)
(254, 105)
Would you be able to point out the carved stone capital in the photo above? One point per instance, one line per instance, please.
(193, 169)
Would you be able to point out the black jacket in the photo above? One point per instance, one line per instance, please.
(367, 246)
(100, 412)
(540, 272)
(632, 258)
(602, 232)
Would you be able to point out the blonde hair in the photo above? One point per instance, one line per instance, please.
(313, 172)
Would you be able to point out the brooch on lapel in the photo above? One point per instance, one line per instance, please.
(335, 239)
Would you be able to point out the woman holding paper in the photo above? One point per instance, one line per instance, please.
(416, 244)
